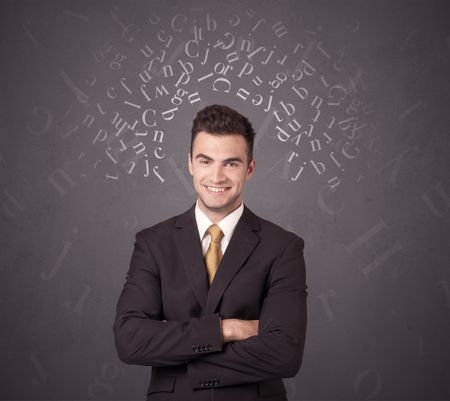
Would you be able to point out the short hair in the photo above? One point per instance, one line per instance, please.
(217, 119)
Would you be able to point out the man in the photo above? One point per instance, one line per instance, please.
(215, 298)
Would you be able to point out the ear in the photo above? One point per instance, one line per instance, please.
(250, 170)
(191, 170)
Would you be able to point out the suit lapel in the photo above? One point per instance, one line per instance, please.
(189, 246)
(242, 243)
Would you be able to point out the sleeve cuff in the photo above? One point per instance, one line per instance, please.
(209, 335)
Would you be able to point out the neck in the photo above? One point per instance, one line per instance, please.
(216, 215)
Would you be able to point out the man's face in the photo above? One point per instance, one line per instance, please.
(219, 168)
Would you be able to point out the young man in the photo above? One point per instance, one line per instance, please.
(215, 298)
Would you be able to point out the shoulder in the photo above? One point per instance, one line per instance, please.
(279, 234)
(165, 228)
(158, 229)
(271, 232)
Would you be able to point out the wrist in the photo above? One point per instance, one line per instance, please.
(227, 330)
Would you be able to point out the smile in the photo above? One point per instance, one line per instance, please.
(215, 189)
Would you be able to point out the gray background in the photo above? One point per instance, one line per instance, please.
(372, 201)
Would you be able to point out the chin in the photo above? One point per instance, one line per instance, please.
(217, 205)
(216, 208)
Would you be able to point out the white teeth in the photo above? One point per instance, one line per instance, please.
(216, 189)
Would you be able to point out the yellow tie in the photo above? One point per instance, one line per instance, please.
(214, 253)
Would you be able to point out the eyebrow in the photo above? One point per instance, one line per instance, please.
(202, 156)
(231, 159)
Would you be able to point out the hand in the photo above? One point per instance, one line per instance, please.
(238, 329)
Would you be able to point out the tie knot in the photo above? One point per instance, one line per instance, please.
(215, 232)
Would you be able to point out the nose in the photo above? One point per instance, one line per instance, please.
(217, 174)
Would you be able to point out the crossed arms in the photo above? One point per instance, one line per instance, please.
(238, 351)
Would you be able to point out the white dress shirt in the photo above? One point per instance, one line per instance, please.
(227, 225)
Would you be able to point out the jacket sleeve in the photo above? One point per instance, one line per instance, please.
(142, 336)
(277, 350)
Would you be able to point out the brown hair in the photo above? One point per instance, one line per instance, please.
(217, 119)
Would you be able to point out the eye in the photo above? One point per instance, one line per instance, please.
(203, 162)
(231, 164)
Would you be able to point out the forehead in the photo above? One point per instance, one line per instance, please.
(225, 146)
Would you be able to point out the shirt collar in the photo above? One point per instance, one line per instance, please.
(227, 224)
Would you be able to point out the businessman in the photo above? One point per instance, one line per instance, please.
(215, 298)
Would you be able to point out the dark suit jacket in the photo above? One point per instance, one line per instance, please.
(169, 318)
